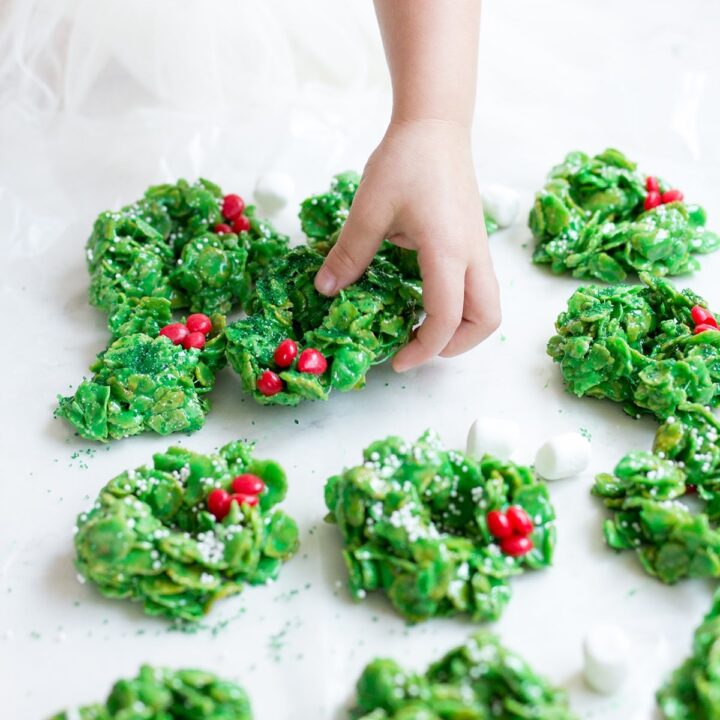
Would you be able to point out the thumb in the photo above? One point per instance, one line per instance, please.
(355, 248)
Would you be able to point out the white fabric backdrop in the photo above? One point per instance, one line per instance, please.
(100, 98)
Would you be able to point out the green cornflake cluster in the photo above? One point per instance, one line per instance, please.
(164, 246)
(322, 216)
(646, 493)
(150, 537)
(163, 694)
(362, 326)
(479, 680)
(149, 259)
(635, 345)
(413, 522)
(693, 690)
(590, 220)
(142, 381)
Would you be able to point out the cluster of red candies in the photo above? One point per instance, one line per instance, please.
(190, 334)
(232, 210)
(654, 197)
(310, 361)
(245, 491)
(704, 320)
(513, 529)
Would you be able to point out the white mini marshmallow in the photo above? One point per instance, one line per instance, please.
(563, 456)
(494, 436)
(606, 653)
(273, 191)
(501, 203)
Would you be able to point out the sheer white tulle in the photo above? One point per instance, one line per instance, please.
(99, 99)
(198, 56)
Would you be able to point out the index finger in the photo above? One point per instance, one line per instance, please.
(443, 283)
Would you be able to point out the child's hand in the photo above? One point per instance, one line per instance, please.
(419, 191)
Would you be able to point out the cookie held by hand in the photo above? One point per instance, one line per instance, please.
(336, 340)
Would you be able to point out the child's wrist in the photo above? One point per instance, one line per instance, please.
(439, 120)
(441, 128)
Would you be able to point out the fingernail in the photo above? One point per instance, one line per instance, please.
(325, 281)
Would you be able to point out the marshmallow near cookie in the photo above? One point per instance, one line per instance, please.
(501, 203)
(493, 436)
(563, 456)
(273, 191)
(606, 653)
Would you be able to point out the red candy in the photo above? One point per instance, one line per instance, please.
(701, 316)
(704, 327)
(222, 229)
(312, 361)
(652, 200)
(671, 196)
(219, 503)
(269, 383)
(241, 224)
(199, 323)
(499, 524)
(176, 332)
(194, 340)
(519, 520)
(652, 184)
(242, 499)
(248, 484)
(232, 207)
(516, 545)
(285, 353)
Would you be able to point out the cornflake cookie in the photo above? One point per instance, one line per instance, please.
(299, 345)
(647, 492)
(171, 695)
(439, 532)
(186, 243)
(154, 375)
(480, 679)
(655, 350)
(692, 691)
(598, 217)
(186, 531)
(650, 347)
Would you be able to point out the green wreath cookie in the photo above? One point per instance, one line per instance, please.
(163, 694)
(693, 690)
(438, 531)
(297, 344)
(646, 495)
(598, 217)
(185, 243)
(476, 681)
(188, 530)
(656, 350)
(642, 346)
(153, 376)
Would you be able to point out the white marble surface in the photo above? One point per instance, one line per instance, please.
(555, 75)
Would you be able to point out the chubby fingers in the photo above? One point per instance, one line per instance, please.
(443, 282)
(481, 308)
(359, 240)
